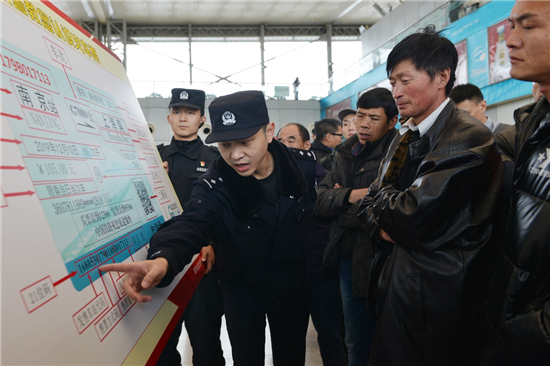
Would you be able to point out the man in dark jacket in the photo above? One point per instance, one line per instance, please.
(252, 201)
(470, 98)
(328, 135)
(432, 209)
(187, 158)
(518, 299)
(356, 167)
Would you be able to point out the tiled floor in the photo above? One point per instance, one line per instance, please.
(313, 358)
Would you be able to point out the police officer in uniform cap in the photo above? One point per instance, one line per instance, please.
(187, 158)
(252, 200)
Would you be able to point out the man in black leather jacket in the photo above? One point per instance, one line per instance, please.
(518, 299)
(431, 213)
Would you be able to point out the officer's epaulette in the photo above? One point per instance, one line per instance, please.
(303, 154)
(160, 146)
(210, 179)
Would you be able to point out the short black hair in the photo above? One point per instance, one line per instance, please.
(460, 93)
(201, 109)
(304, 133)
(428, 51)
(379, 98)
(326, 126)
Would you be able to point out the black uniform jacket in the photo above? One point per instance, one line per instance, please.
(440, 216)
(260, 244)
(184, 168)
(350, 172)
(518, 300)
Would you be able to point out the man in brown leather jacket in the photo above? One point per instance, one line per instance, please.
(430, 212)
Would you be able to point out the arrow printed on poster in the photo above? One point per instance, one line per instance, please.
(72, 274)
(19, 167)
(11, 116)
(12, 141)
(28, 193)
(6, 91)
(64, 69)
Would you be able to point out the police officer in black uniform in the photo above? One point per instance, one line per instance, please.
(187, 158)
(253, 200)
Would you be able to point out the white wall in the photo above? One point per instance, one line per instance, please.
(281, 112)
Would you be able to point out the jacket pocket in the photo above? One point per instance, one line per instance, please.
(416, 296)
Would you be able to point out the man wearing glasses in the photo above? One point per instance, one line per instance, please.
(328, 132)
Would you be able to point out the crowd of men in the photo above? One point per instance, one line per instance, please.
(430, 240)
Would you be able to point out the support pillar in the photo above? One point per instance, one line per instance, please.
(262, 49)
(190, 39)
(124, 43)
(329, 55)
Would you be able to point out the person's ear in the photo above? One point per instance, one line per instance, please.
(443, 78)
(483, 106)
(307, 145)
(270, 131)
(392, 123)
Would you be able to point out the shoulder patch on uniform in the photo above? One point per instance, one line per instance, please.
(303, 154)
(213, 148)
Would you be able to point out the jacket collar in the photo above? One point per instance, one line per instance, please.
(379, 150)
(441, 122)
(192, 153)
(247, 194)
(318, 145)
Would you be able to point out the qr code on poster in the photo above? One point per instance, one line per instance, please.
(144, 197)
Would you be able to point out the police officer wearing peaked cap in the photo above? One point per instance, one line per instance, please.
(188, 158)
(252, 200)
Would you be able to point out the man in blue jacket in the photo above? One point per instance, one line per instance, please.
(252, 201)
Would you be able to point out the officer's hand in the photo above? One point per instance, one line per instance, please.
(337, 185)
(165, 166)
(139, 276)
(385, 236)
(208, 257)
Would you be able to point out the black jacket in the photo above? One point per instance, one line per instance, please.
(440, 216)
(316, 228)
(320, 149)
(518, 300)
(351, 173)
(260, 244)
(184, 168)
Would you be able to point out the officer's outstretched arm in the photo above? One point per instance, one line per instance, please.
(140, 276)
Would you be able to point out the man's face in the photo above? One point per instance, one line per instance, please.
(348, 125)
(529, 42)
(372, 124)
(333, 139)
(185, 122)
(414, 91)
(249, 156)
(476, 110)
(290, 136)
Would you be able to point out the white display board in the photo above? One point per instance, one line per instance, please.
(81, 185)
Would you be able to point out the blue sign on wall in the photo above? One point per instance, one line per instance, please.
(478, 59)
